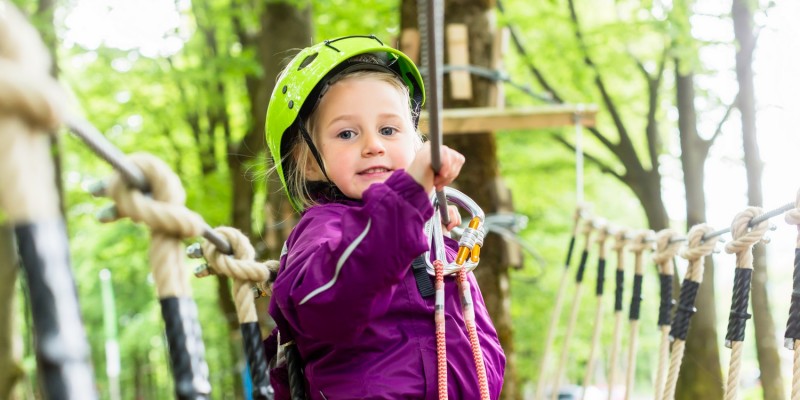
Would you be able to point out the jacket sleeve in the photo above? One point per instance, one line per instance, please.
(344, 258)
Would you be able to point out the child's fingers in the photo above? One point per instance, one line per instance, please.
(455, 217)
(452, 161)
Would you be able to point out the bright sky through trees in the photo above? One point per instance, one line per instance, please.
(157, 28)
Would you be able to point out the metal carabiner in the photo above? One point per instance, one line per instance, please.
(471, 239)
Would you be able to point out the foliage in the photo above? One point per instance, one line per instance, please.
(146, 102)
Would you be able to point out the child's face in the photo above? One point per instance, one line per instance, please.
(364, 131)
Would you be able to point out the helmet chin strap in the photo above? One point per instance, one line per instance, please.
(310, 143)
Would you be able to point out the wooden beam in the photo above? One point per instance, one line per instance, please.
(410, 44)
(458, 56)
(479, 120)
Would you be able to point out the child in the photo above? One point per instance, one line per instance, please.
(341, 126)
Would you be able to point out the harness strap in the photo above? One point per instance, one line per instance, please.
(424, 283)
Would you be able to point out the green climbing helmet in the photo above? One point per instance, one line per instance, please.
(305, 77)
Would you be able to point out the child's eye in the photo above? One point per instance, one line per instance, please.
(388, 131)
(345, 135)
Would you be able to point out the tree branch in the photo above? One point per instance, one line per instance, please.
(722, 121)
(653, 137)
(609, 103)
(537, 73)
(603, 166)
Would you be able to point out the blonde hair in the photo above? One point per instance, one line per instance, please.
(299, 154)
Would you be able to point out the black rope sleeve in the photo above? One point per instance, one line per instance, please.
(636, 298)
(793, 324)
(256, 361)
(569, 252)
(297, 382)
(665, 307)
(737, 320)
(582, 266)
(62, 351)
(684, 310)
(601, 276)
(618, 290)
(186, 350)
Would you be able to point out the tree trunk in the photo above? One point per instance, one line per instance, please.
(10, 358)
(479, 177)
(766, 343)
(284, 27)
(700, 376)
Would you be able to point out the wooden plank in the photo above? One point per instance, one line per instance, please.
(410, 44)
(458, 56)
(497, 96)
(480, 120)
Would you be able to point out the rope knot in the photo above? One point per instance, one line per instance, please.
(620, 240)
(163, 210)
(793, 216)
(744, 236)
(640, 241)
(241, 264)
(588, 227)
(602, 233)
(27, 90)
(695, 247)
(665, 251)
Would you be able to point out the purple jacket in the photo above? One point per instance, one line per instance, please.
(347, 296)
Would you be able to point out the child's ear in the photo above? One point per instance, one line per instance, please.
(313, 172)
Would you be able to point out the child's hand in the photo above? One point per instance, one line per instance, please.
(455, 219)
(421, 170)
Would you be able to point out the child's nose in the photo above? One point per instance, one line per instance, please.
(373, 145)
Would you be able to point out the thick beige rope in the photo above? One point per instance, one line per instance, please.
(744, 237)
(27, 90)
(620, 242)
(31, 105)
(602, 236)
(241, 266)
(587, 230)
(664, 257)
(694, 251)
(169, 220)
(639, 243)
(544, 368)
(796, 371)
(792, 217)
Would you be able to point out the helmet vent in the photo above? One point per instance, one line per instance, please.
(308, 60)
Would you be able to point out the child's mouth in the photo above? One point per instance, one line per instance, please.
(373, 171)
